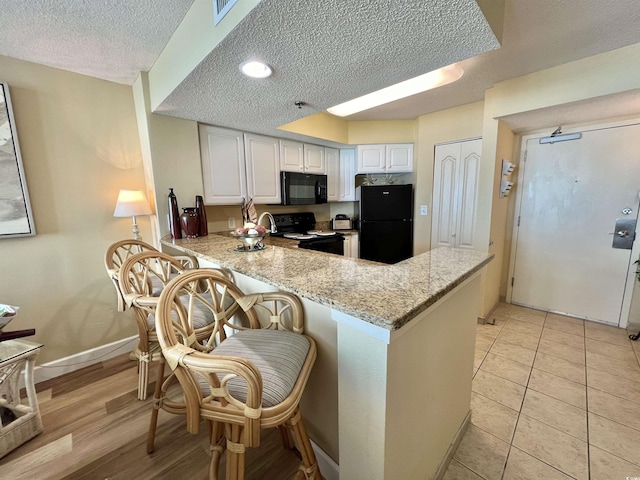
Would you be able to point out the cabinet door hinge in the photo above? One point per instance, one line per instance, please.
(525, 155)
(518, 220)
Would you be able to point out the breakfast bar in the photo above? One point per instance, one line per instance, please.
(389, 395)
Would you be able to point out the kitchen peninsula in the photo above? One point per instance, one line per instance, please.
(390, 392)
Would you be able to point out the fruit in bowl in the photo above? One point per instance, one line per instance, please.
(250, 228)
(251, 235)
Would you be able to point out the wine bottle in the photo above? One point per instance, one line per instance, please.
(174, 216)
(203, 228)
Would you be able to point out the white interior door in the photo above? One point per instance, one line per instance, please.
(570, 195)
(455, 187)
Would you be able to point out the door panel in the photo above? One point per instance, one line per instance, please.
(469, 170)
(444, 196)
(571, 195)
(455, 189)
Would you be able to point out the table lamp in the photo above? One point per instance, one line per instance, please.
(132, 203)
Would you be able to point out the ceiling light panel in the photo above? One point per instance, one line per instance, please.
(422, 83)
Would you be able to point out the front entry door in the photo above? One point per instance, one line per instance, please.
(570, 195)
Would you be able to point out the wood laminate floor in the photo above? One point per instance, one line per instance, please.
(96, 428)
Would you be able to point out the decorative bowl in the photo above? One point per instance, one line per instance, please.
(250, 242)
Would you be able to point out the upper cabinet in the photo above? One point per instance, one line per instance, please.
(301, 157)
(332, 162)
(314, 159)
(385, 158)
(291, 156)
(347, 188)
(237, 166)
(263, 168)
(224, 170)
(341, 171)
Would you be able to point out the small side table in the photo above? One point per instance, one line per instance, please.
(14, 355)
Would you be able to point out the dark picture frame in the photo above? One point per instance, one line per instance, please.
(16, 218)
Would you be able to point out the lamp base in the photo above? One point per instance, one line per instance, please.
(136, 230)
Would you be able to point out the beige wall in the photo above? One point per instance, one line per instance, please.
(499, 240)
(441, 127)
(320, 125)
(397, 131)
(79, 145)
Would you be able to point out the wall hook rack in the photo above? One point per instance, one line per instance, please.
(505, 184)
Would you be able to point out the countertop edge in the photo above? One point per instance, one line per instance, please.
(390, 322)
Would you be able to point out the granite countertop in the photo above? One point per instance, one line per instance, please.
(385, 295)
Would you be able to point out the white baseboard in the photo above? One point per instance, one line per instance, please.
(444, 464)
(330, 470)
(79, 360)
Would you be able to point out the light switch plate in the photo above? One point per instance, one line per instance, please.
(231, 222)
(423, 209)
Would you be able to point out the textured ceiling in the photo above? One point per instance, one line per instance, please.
(325, 52)
(110, 39)
(537, 35)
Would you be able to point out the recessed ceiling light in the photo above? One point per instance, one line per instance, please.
(255, 69)
(436, 78)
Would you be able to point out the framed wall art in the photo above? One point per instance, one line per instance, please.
(16, 219)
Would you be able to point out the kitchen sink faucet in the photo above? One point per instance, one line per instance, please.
(274, 229)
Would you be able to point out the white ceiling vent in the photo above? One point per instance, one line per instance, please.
(220, 9)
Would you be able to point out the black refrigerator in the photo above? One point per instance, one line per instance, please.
(386, 222)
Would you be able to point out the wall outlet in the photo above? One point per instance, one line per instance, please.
(423, 209)
(231, 222)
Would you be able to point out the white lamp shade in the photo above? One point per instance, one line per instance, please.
(132, 203)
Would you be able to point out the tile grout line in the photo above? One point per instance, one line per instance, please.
(520, 414)
(526, 387)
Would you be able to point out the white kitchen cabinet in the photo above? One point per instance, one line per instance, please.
(455, 189)
(399, 158)
(347, 187)
(224, 171)
(351, 246)
(314, 161)
(263, 168)
(385, 158)
(237, 166)
(291, 156)
(302, 157)
(332, 162)
(347, 246)
(341, 171)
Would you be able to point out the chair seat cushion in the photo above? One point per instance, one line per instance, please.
(279, 356)
(202, 316)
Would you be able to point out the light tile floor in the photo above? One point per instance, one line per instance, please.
(553, 397)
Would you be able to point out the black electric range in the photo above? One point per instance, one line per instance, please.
(297, 226)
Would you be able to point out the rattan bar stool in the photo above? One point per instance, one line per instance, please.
(141, 278)
(248, 375)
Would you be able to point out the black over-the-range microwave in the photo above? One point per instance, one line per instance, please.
(303, 188)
